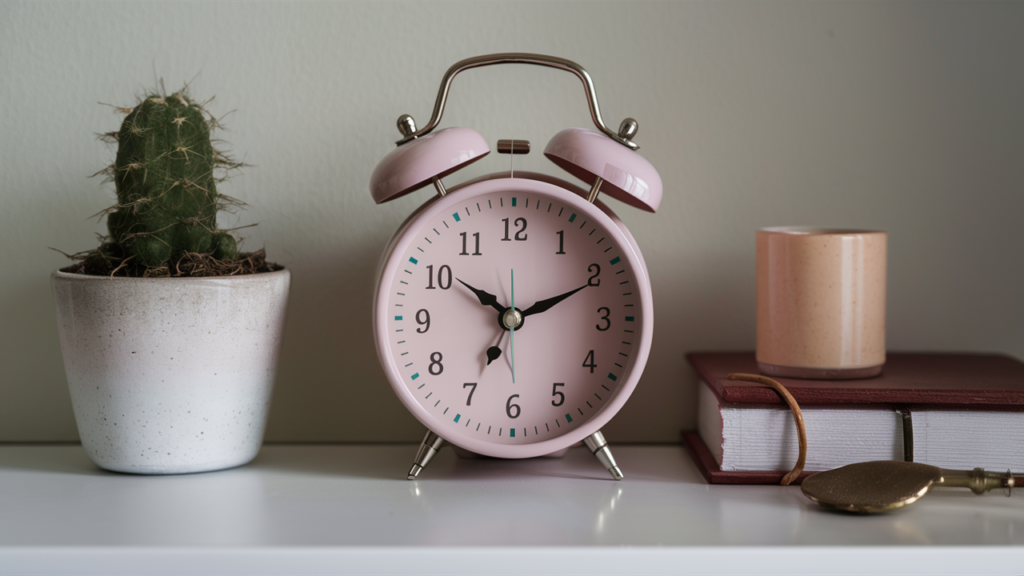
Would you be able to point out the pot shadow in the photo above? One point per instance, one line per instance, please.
(35, 405)
(55, 457)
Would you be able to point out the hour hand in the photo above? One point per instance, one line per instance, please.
(545, 305)
(486, 298)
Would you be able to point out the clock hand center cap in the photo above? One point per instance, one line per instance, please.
(511, 319)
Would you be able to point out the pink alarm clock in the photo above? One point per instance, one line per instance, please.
(513, 313)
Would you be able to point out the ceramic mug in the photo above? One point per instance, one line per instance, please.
(820, 302)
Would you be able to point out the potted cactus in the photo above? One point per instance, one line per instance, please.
(170, 337)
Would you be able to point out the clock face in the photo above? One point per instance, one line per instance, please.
(511, 317)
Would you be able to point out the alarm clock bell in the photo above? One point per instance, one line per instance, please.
(431, 341)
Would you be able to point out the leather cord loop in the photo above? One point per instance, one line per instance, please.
(798, 417)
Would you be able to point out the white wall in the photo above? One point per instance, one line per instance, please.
(905, 117)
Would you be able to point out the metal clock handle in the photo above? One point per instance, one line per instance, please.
(407, 126)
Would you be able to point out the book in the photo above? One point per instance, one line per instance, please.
(956, 411)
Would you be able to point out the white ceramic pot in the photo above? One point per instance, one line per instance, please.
(171, 375)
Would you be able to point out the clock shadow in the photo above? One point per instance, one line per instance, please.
(575, 463)
(392, 462)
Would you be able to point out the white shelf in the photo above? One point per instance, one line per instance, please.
(326, 509)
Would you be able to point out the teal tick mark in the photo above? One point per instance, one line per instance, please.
(457, 416)
(629, 318)
(398, 317)
(571, 218)
(456, 216)
(413, 260)
(568, 418)
(612, 376)
(512, 431)
(615, 260)
(513, 205)
(416, 375)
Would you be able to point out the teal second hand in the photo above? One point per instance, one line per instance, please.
(513, 329)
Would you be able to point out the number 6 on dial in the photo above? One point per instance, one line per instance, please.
(491, 367)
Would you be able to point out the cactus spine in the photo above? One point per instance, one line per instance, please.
(166, 189)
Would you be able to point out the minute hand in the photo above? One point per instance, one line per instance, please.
(545, 305)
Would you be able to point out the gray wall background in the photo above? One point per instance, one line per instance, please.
(901, 116)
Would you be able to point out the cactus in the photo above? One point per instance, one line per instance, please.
(166, 188)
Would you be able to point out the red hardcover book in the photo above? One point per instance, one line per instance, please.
(948, 410)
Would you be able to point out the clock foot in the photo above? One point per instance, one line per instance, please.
(599, 447)
(430, 445)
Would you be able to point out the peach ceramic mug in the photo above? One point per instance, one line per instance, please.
(820, 302)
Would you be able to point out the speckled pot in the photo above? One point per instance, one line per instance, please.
(171, 375)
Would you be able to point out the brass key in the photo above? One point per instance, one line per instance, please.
(869, 487)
